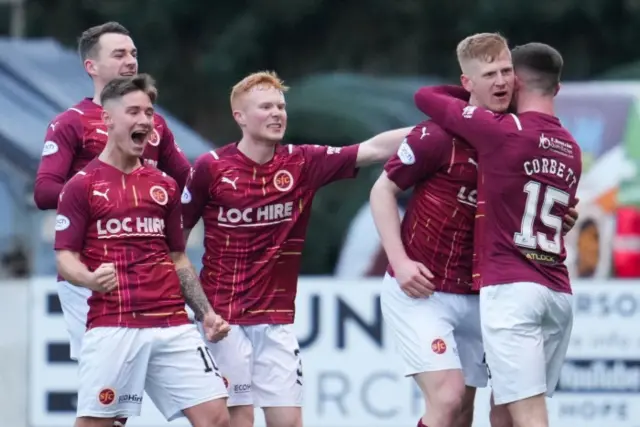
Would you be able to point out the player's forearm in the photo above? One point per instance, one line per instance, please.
(386, 216)
(72, 269)
(46, 193)
(382, 146)
(431, 100)
(191, 287)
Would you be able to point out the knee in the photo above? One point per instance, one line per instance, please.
(465, 418)
(449, 400)
(219, 419)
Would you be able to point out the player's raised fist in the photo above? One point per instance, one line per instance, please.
(414, 279)
(104, 278)
(215, 327)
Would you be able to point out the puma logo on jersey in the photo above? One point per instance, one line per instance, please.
(99, 194)
(53, 126)
(424, 132)
(228, 181)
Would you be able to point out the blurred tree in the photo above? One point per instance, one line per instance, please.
(197, 49)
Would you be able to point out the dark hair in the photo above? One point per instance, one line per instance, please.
(542, 66)
(121, 86)
(88, 41)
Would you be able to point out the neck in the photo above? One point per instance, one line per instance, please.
(97, 90)
(260, 151)
(472, 101)
(535, 103)
(111, 155)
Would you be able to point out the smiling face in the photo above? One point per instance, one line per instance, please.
(259, 107)
(129, 121)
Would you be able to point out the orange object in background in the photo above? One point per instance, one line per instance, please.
(626, 244)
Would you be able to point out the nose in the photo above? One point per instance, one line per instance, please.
(500, 80)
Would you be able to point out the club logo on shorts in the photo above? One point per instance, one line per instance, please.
(226, 382)
(159, 195)
(438, 346)
(107, 396)
(154, 138)
(283, 180)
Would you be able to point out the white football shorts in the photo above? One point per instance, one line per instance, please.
(261, 365)
(436, 333)
(172, 364)
(73, 300)
(526, 329)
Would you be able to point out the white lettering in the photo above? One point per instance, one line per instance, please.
(124, 226)
(550, 166)
(263, 215)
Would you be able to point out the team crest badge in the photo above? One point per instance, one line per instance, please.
(159, 195)
(154, 138)
(283, 180)
(106, 396)
(438, 346)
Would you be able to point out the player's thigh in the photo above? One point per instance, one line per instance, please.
(182, 373)
(73, 301)
(468, 336)
(556, 331)
(234, 357)
(277, 366)
(112, 370)
(422, 329)
(511, 317)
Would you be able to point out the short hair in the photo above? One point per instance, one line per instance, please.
(121, 86)
(485, 47)
(261, 78)
(88, 42)
(541, 64)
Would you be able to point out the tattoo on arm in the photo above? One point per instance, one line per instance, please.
(193, 293)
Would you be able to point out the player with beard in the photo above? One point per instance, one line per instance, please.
(530, 167)
(119, 235)
(255, 197)
(76, 136)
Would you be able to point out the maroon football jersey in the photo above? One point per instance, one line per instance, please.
(530, 167)
(437, 228)
(255, 219)
(78, 135)
(134, 221)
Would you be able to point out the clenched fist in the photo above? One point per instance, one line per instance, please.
(215, 327)
(104, 278)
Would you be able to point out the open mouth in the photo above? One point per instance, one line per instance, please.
(275, 126)
(139, 136)
(127, 74)
(501, 94)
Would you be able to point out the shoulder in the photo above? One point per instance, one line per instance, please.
(71, 117)
(159, 120)
(428, 134)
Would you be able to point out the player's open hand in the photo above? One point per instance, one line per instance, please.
(215, 327)
(570, 219)
(104, 278)
(414, 279)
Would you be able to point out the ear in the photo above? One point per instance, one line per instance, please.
(239, 118)
(106, 118)
(90, 67)
(466, 82)
(557, 89)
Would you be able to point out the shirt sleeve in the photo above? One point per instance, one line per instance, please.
(196, 193)
(325, 164)
(61, 140)
(480, 127)
(73, 216)
(171, 159)
(422, 153)
(173, 222)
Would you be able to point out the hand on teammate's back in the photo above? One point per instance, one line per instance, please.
(570, 219)
(414, 279)
(104, 278)
(215, 327)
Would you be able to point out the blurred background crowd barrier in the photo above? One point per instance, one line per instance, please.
(353, 66)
